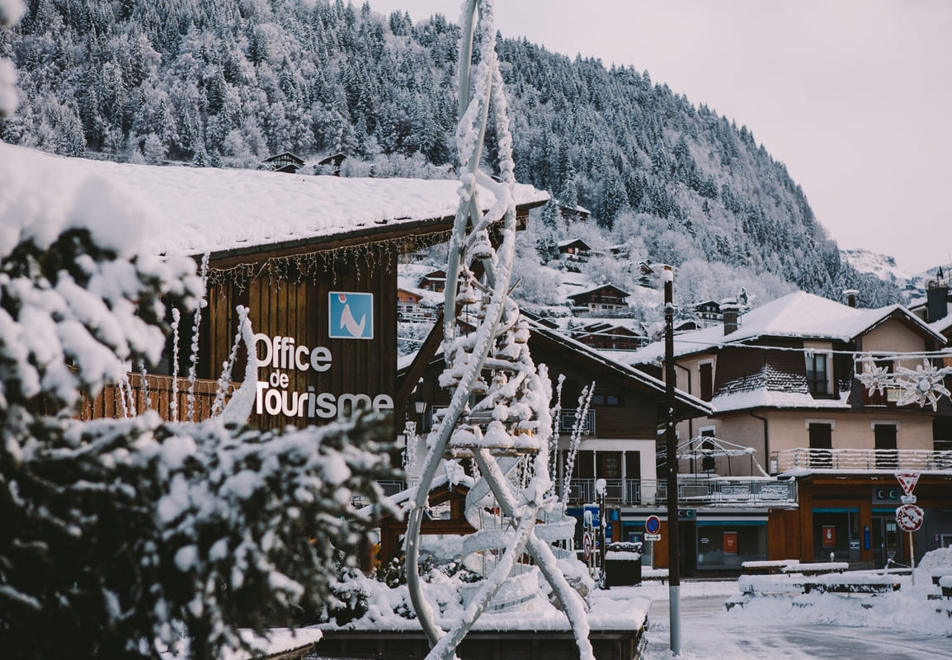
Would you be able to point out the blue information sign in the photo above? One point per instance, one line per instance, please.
(351, 315)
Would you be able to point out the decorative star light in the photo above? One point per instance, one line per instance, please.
(924, 385)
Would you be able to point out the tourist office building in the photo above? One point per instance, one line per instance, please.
(313, 259)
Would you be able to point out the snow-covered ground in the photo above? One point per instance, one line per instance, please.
(896, 625)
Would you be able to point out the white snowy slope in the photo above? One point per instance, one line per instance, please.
(196, 210)
(882, 266)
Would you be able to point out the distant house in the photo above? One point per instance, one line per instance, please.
(285, 162)
(331, 164)
(407, 302)
(608, 335)
(417, 304)
(709, 310)
(434, 281)
(575, 247)
(573, 213)
(621, 250)
(606, 297)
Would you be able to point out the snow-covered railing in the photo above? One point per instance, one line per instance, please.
(852, 460)
(717, 490)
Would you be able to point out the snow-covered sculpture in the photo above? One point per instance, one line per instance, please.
(510, 418)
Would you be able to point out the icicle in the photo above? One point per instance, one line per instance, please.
(196, 327)
(144, 387)
(173, 404)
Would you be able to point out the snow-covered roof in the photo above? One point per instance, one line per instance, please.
(196, 210)
(683, 398)
(600, 287)
(796, 315)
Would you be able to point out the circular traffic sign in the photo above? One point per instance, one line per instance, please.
(909, 517)
(587, 545)
(653, 524)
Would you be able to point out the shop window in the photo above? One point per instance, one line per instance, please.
(726, 545)
(833, 532)
(887, 457)
(821, 445)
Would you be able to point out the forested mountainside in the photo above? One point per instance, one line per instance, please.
(229, 82)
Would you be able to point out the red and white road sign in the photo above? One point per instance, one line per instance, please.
(587, 545)
(908, 481)
(909, 517)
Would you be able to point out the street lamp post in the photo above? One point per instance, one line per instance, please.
(671, 461)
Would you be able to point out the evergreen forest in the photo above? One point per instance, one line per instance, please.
(226, 83)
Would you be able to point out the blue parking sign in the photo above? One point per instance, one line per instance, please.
(351, 315)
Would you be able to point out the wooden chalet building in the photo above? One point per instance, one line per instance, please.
(434, 281)
(286, 162)
(314, 258)
(619, 431)
(610, 335)
(782, 384)
(575, 248)
(606, 297)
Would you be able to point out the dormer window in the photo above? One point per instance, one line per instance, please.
(818, 377)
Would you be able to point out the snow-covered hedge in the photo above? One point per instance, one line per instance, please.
(121, 536)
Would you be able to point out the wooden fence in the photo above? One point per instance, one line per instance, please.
(157, 395)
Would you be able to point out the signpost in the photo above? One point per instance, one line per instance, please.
(909, 516)
(652, 528)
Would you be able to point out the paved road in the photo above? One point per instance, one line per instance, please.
(708, 631)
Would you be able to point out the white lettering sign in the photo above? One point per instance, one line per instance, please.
(273, 398)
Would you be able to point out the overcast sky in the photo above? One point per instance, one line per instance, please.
(854, 96)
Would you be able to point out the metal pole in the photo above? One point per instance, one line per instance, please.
(671, 461)
(912, 559)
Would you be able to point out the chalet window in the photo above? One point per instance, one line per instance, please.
(707, 381)
(885, 442)
(817, 375)
(606, 400)
(821, 445)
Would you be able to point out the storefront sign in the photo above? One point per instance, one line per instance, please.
(829, 536)
(283, 355)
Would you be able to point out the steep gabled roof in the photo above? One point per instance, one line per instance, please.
(797, 315)
(601, 287)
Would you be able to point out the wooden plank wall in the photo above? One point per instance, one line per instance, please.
(158, 391)
(292, 305)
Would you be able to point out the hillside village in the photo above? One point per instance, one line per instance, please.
(456, 397)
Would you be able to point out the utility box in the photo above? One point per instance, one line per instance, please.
(622, 564)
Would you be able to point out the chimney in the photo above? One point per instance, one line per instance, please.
(937, 295)
(730, 312)
(850, 296)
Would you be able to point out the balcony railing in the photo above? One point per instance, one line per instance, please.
(860, 460)
(716, 490)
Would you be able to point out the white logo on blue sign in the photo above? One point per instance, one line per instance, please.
(351, 315)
